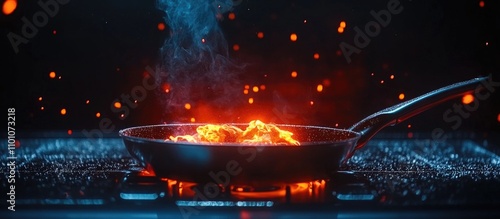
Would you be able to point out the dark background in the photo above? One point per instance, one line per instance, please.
(101, 49)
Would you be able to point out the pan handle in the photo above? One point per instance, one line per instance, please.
(372, 124)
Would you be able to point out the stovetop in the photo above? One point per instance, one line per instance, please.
(393, 176)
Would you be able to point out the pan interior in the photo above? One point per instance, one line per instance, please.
(306, 135)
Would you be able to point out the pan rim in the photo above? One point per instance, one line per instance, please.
(122, 133)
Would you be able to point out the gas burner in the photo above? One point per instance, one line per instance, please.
(340, 187)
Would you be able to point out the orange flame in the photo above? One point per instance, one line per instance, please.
(257, 132)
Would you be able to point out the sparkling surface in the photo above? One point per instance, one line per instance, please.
(403, 172)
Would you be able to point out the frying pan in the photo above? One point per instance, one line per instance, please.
(322, 151)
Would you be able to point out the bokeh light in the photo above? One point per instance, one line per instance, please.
(293, 37)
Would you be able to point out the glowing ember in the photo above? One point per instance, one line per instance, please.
(260, 35)
(316, 56)
(401, 96)
(9, 6)
(293, 37)
(319, 88)
(294, 74)
(255, 89)
(161, 26)
(231, 16)
(257, 132)
(236, 47)
(468, 98)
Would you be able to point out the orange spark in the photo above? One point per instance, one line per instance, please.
(255, 89)
(340, 29)
(294, 74)
(316, 55)
(236, 47)
(40, 99)
(245, 91)
(192, 119)
(63, 111)
(117, 105)
(9, 6)
(319, 88)
(187, 106)
(260, 35)
(342, 24)
(262, 87)
(52, 74)
(468, 98)
(250, 100)
(161, 26)
(98, 114)
(293, 37)
(231, 16)
(391, 77)
(401, 96)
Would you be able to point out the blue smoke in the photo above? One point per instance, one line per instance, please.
(195, 55)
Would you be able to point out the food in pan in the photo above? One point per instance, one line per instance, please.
(257, 132)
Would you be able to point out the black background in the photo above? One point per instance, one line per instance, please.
(101, 49)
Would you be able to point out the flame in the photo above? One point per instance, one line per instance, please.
(257, 132)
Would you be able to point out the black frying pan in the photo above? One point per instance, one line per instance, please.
(321, 152)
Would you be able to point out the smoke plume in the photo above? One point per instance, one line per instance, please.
(195, 55)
